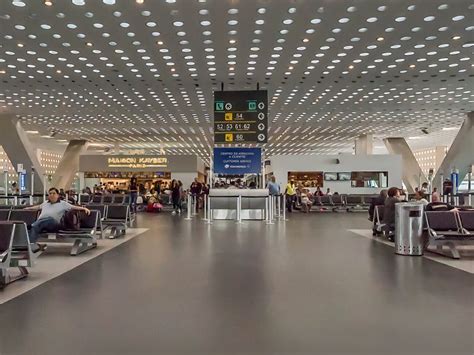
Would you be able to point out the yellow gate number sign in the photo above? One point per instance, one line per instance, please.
(229, 137)
(228, 116)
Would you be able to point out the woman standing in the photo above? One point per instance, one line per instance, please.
(133, 187)
(175, 196)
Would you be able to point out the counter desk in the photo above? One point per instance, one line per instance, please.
(224, 203)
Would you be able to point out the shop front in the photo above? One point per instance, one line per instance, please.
(115, 171)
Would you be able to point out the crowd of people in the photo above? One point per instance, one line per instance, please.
(299, 197)
(389, 198)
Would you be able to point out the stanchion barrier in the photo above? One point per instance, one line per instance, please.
(239, 206)
(209, 212)
(5, 176)
(268, 209)
(196, 205)
(189, 206)
(204, 207)
(284, 206)
(277, 199)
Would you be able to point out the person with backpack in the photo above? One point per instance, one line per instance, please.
(52, 213)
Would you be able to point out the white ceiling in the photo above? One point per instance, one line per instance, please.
(143, 75)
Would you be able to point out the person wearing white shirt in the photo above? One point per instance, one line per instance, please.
(52, 211)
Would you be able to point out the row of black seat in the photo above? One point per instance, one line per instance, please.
(449, 228)
(443, 228)
(104, 199)
(15, 247)
(347, 202)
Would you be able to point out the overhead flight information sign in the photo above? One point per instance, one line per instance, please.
(241, 116)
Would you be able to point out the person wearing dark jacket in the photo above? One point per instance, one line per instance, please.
(175, 197)
(389, 208)
(378, 201)
(437, 205)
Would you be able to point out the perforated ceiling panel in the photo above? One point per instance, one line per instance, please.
(143, 75)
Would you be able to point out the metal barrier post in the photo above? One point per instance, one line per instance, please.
(196, 205)
(284, 206)
(189, 206)
(268, 205)
(32, 185)
(277, 200)
(239, 206)
(44, 187)
(5, 176)
(204, 207)
(209, 212)
(15, 200)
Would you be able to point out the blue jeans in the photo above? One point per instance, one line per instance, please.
(42, 225)
(133, 201)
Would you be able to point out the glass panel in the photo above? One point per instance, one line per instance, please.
(369, 179)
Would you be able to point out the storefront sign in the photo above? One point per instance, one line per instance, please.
(237, 161)
(137, 162)
(241, 116)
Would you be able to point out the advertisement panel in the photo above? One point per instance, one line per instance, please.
(237, 161)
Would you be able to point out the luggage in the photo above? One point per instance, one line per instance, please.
(71, 220)
(154, 207)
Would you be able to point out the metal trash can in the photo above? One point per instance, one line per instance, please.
(409, 228)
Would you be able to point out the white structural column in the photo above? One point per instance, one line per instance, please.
(412, 175)
(69, 164)
(19, 150)
(461, 154)
(364, 144)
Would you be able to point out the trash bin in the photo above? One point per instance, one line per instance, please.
(409, 228)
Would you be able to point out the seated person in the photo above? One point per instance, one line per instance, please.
(420, 197)
(437, 205)
(389, 209)
(378, 201)
(306, 201)
(318, 192)
(52, 211)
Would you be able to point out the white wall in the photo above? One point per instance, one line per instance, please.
(282, 164)
(186, 178)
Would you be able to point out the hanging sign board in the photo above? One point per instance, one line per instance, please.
(237, 161)
(241, 116)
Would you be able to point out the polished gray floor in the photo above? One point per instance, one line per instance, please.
(307, 287)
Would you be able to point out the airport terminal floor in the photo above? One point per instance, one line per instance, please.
(236, 177)
(307, 286)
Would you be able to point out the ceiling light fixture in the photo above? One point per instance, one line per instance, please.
(140, 1)
(48, 2)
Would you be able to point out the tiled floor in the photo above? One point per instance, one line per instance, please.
(309, 286)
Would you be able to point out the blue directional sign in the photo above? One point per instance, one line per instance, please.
(237, 161)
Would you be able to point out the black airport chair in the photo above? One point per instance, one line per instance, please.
(466, 220)
(4, 215)
(26, 216)
(97, 199)
(83, 239)
(445, 229)
(119, 199)
(117, 219)
(107, 199)
(15, 251)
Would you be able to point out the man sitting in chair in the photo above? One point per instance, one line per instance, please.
(49, 219)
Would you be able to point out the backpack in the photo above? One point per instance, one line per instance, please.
(71, 221)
